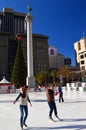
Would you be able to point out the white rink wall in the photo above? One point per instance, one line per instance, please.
(77, 86)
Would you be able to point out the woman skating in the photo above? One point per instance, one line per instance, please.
(24, 99)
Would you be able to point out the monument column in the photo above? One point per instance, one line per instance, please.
(30, 80)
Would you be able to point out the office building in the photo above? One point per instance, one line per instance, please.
(11, 21)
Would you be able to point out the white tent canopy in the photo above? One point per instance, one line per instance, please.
(4, 80)
(6, 86)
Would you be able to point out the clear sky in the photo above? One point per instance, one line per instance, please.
(64, 21)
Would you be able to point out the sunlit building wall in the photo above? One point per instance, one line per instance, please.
(57, 60)
(80, 53)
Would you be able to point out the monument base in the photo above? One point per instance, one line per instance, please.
(30, 81)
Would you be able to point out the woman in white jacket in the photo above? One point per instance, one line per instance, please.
(24, 99)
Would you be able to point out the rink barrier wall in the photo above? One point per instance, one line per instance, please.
(77, 86)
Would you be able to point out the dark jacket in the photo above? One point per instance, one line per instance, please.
(50, 95)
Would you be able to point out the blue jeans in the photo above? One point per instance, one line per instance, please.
(52, 107)
(24, 113)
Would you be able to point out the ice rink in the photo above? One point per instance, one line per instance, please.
(72, 111)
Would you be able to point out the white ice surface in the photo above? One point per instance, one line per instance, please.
(72, 111)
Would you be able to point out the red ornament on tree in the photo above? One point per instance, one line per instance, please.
(19, 38)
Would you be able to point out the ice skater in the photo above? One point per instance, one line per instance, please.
(51, 102)
(24, 99)
(60, 94)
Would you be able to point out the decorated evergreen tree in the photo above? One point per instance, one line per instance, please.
(19, 71)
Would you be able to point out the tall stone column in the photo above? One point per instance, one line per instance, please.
(30, 80)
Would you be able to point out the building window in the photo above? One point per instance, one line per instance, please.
(79, 46)
(85, 54)
(81, 56)
(51, 52)
(82, 62)
(83, 68)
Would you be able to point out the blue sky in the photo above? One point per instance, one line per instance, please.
(64, 21)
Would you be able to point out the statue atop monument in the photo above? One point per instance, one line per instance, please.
(29, 8)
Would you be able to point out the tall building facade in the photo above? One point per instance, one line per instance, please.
(11, 24)
(4, 66)
(40, 53)
(80, 53)
(11, 21)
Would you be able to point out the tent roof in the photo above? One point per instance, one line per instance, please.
(4, 81)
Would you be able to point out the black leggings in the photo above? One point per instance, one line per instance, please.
(52, 107)
(61, 97)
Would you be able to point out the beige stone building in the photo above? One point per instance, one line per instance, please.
(80, 53)
(57, 60)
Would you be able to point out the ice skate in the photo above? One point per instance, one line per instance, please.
(58, 118)
(21, 127)
(25, 125)
(51, 119)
